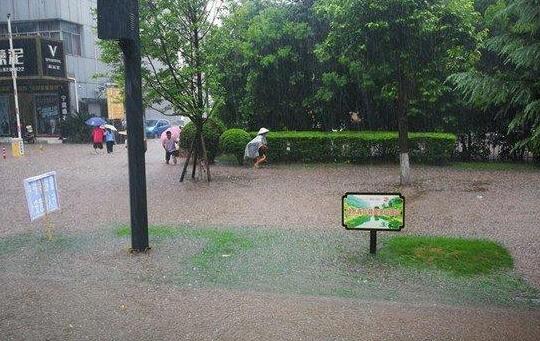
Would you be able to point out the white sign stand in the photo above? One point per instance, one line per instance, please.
(42, 198)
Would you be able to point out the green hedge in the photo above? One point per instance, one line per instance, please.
(234, 141)
(356, 147)
(212, 130)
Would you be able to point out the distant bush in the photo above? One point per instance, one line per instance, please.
(212, 130)
(234, 141)
(74, 130)
(356, 147)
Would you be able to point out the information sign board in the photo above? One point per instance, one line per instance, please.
(373, 211)
(41, 195)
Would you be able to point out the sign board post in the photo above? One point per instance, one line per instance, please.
(373, 212)
(42, 198)
(119, 20)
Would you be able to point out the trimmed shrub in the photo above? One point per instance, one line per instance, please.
(212, 130)
(74, 130)
(234, 141)
(356, 147)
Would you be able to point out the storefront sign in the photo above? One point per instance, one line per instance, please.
(33, 57)
(52, 58)
(115, 104)
(25, 57)
(373, 211)
(41, 195)
(64, 100)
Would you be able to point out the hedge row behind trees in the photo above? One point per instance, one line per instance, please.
(356, 147)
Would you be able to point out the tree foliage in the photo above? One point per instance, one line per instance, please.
(175, 69)
(512, 84)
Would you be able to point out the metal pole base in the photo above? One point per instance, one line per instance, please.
(373, 242)
(135, 251)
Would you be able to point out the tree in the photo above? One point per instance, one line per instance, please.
(400, 48)
(264, 65)
(513, 84)
(175, 67)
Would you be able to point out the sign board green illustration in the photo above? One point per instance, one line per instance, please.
(373, 211)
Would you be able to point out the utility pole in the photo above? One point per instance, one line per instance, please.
(119, 20)
(17, 145)
(14, 75)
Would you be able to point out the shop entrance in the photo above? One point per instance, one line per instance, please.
(47, 114)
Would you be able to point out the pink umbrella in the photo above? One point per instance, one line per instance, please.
(175, 133)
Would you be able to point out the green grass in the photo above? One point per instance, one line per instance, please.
(219, 244)
(496, 166)
(329, 263)
(37, 242)
(461, 257)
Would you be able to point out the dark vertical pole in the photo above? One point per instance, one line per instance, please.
(195, 156)
(373, 242)
(136, 150)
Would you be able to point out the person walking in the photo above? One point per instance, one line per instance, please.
(97, 138)
(109, 140)
(256, 149)
(169, 144)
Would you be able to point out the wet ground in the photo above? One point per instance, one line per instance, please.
(498, 205)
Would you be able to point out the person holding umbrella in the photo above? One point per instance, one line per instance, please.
(97, 131)
(109, 138)
(97, 138)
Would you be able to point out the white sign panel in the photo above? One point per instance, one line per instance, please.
(41, 195)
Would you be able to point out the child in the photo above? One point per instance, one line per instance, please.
(109, 140)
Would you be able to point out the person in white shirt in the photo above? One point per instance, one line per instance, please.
(169, 144)
(256, 149)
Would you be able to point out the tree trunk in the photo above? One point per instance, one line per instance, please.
(404, 166)
(367, 109)
(205, 158)
(184, 170)
(195, 154)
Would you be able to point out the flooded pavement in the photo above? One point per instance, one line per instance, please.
(68, 291)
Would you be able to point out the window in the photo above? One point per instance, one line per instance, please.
(70, 33)
(68, 44)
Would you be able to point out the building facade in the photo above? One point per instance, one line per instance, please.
(71, 22)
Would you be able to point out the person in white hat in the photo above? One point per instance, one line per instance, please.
(256, 149)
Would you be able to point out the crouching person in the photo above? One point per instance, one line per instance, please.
(257, 148)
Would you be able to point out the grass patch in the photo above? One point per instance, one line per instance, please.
(316, 263)
(153, 231)
(461, 257)
(220, 244)
(496, 166)
(36, 243)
